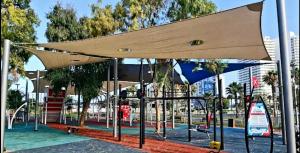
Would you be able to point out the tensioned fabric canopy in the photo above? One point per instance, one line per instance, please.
(131, 72)
(192, 75)
(53, 59)
(230, 34)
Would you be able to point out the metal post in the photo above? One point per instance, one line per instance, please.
(141, 105)
(107, 97)
(37, 99)
(172, 91)
(164, 113)
(283, 132)
(78, 106)
(215, 114)
(5, 61)
(120, 113)
(246, 115)
(250, 80)
(115, 96)
(189, 113)
(286, 77)
(221, 112)
(27, 101)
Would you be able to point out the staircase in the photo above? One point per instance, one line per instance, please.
(54, 106)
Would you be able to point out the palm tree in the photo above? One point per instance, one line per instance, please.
(271, 79)
(229, 97)
(208, 97)
(217, 67)
(234, 89)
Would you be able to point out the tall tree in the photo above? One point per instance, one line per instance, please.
(271, 79)
(64, 25)
(183, 9)
(18, 21)
(234, 89)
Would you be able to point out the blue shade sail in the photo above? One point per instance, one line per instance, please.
(192, 75)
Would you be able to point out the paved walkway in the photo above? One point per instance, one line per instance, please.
(87, 146)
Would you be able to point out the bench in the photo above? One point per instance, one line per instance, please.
(73, 129)
(202, 129)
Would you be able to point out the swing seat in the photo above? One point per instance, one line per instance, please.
(202, 129)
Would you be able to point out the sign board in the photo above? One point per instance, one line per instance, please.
(255, 82)
(125, 109)
(258, 123)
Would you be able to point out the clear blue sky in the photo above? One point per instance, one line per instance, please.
(269, 20)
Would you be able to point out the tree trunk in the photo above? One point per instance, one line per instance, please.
(236, 106)
(274, 104)
(86, 105)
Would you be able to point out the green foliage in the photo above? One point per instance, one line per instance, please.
(234, 89)
(137, 14)
(270, 78)
(17, 24)
(215, 66)
(14, 99)
(183, 9)
(59, 78)
(102, 23)
(225, 103)
(63, 25)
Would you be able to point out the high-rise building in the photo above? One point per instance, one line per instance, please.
(294, 42)
(207, 86)
(260, 70)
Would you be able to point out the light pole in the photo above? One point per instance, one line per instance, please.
(286, 74)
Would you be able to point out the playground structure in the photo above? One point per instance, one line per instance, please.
(62, 50)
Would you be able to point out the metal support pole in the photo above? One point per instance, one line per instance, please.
(172, 91)
(221, 112)
(215, 114)
(141, 106)
(250, 80)
(27, 101)
(164, 113)
(246, 115)
(115, 96)
(143, 103)
(120, 114)
(78, 106)
(5, 61)
(283, 132)
(107, 97)
(37, 90)
(286, 77)
(189, 113)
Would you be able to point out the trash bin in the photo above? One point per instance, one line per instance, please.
(231, 122)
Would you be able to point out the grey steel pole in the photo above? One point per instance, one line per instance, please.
(172, 91)
(5, 61)
(37, 99)
(281, 104)
(27, 101)
(189, 114)
(107, 97)
(115, 96)
(286, 77)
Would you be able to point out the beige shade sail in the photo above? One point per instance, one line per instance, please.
(231, 34)
(52, 60)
